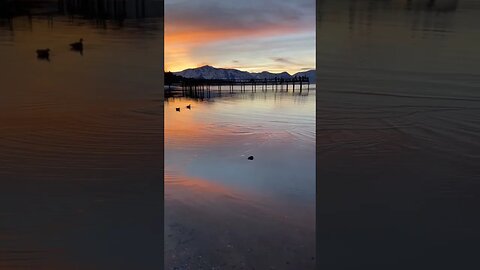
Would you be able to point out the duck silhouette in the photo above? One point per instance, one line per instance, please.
(77, 46)
(189, 107)
(177, 109)
(43, 54)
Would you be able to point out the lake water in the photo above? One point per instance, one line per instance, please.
(398, 134)
(81, 143)
(223, 211)
(81, 160)
(81, 157)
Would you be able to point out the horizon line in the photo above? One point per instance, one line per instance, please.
(206, 65)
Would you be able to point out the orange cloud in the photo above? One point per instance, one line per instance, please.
(195, 35)
(179, 44)
(215, 32)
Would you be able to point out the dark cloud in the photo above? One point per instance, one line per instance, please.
(246, 14)
(284, 60)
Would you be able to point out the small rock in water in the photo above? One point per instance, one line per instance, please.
(250, 158)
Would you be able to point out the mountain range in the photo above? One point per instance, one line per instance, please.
(209, 72)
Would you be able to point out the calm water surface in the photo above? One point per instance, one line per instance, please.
(398, 134)
(81, 153)
(224, 211)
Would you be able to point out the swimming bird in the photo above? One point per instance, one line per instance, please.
(77, 46)
(43, 54)
(177, 109)
(189, 106)
(250, 158)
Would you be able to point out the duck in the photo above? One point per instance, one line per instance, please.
(43, 53)
(77, 46)
(177, 109)
(189, 106)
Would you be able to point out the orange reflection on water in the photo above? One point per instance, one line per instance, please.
(206, 196)
(194, 184)
(189, 125)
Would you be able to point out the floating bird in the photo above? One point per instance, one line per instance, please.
(43, 54)
(250, 158)
(77, 46)
(189, 106)
(177, 109)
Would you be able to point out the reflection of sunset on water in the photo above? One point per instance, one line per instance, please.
(208, 218)
(203, 193)
(80, 140)
(215, 197)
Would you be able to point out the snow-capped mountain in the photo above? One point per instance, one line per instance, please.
(209, 72)
(269, 75)
(311, 74)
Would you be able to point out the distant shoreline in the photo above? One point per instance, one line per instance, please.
(210, 72)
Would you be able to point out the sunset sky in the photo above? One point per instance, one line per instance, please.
(251, 35)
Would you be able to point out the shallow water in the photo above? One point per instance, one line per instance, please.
(398, 134)
(223, 210)
(81, 143)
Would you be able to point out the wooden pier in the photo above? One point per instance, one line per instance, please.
(276, 84)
